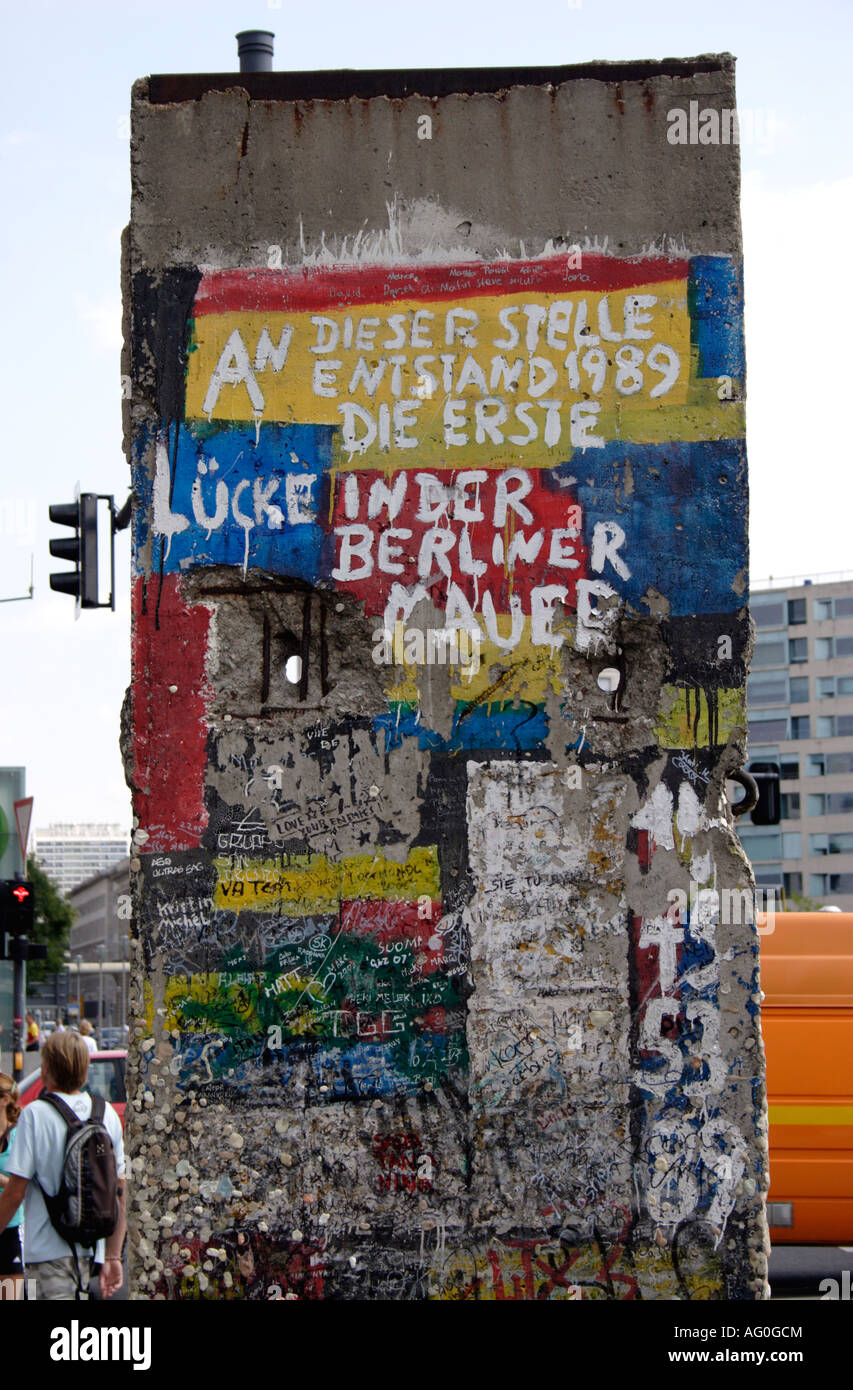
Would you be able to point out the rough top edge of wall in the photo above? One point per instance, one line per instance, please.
(345, 83)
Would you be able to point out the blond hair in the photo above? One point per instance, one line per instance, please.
(65, 1058)
(85, 1028)
(8, 1088)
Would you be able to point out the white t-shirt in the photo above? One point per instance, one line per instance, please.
(90, 1042)
(39, 1152)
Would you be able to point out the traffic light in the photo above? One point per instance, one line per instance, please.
(768, 810)
(17, 906)
(21, 948)
(82, 548)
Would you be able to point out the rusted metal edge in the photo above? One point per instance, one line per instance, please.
(345, 83)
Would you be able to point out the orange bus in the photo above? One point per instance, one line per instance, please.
(807, 1021)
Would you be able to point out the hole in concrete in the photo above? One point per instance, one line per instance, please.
(609, 679)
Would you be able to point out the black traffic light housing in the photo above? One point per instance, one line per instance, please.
(82, 548)
(17, 906)
(21, 948)
(17, 917)
(768, 810)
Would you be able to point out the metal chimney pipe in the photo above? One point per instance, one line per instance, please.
(255, 49)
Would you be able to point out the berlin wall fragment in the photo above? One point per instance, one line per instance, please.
(446, 979)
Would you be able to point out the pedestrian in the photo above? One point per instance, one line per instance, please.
(32, 1034)
(11, 1254)
(87, 1036)
(38, 1169)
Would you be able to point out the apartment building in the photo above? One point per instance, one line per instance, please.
(800, 710)
(71, 854)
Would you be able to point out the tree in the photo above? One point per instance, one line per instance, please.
(54, 917)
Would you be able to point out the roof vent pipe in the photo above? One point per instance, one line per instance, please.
(255, 49)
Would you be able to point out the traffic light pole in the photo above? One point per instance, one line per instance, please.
(19, 997)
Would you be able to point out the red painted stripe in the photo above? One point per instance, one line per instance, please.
(170, 740)
(386, 922)
(319, 287)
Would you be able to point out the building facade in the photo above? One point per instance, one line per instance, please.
(71, 854)
(800, 707)
(98, 946)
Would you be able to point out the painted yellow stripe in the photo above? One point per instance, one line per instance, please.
(685, 719)
(289, 391)
(527, 673)
(236, 372)
(306, 883)
(832, 1114)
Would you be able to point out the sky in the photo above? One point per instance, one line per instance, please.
(65, 174)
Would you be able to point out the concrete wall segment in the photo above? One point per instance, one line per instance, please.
(416, 1014)
(592, 151)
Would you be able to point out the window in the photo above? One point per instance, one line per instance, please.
(825, 726)
(823, 649)
(796, 611)
(792, 845)
(815, 804)
(834, 842)
(792, 883)
(789, 770)
(770, 688)
(800, 726)
(843, 725)
(790, 805)
(825, 687)
(770, 650)
(815, 764)
(844, 685)
(104, 1080)
(839, 762)
(799, 690)
(767, 612)
(760, 846)
(825, 885)
(844, 608)
(844, 646)
(798, 649)
(768, 727)
(839, 803)
(822, 609)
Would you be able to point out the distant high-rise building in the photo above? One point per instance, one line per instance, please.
(72, 853)
(800, 711)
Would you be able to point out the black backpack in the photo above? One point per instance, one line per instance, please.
(86, 1206)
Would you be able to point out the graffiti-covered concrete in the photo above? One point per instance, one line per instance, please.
(446, 976)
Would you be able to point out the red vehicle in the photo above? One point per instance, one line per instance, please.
(106, 1078)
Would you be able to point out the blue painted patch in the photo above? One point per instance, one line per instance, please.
(474, 727)
(715, 302)
(646, 489)
(247, 502)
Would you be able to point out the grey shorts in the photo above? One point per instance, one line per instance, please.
(56, 1280)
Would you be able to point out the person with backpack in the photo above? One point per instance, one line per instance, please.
(68, 1166)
